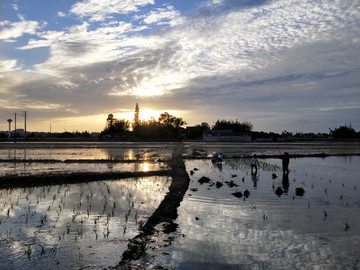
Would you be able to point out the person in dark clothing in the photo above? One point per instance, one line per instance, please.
(285, 163)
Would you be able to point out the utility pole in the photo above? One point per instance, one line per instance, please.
(24, 113)
(15, 128)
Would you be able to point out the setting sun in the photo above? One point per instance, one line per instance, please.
(146, 115)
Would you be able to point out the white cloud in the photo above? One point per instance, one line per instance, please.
(17, 29)
(101, 10)
(15, 7)
(162, 16)
(8, 66)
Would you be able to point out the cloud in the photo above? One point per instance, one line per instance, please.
(101, 10)
(162, 16)
(11, 30)
(8, 66)
(273, 59)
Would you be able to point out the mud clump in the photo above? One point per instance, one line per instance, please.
(231, 183)
(219, 184)
(299, 192)
(279, 191)
(237, 194)
(170, 227)
(203, 180)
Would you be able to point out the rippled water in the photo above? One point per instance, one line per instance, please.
(319, 230)
(74, 226)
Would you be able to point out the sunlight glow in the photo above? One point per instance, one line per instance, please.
(145, 115)
(145, 167)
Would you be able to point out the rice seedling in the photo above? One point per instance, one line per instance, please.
(42, 252)
(347, 226)
(28, 250)
(325, 214)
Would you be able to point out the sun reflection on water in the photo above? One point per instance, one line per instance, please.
(145, 167)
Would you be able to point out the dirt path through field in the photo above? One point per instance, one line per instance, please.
(165, 214)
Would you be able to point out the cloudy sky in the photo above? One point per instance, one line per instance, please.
(282, 65)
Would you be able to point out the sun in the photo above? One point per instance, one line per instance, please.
(144, 115)
(147, 114)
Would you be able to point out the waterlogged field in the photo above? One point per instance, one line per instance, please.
(74, 226)
(90, 151)
(275, 225)
(228, 219)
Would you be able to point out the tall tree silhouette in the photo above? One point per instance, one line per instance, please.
(136, 120)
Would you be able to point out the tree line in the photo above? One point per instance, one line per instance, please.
(169, 127)
(166, 126)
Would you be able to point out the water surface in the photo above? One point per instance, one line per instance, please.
(318, 230)
(77, 226)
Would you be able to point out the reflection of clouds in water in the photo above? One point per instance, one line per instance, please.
(110, 151)
(225, 239)
(273, 249)
(280, 233)
(34, 168)
(73, 214)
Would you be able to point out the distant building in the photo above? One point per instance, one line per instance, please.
(20, 132)
(225, 135)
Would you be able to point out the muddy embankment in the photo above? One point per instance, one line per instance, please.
(165, 214)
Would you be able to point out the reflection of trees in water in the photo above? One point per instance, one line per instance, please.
(138, 153)
(245, 163)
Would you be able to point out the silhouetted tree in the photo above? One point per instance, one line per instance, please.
(167, 127)
(344, 132)
(116, 125)
(169, 120)
(136, 120)
(236, 126)
(109, 121)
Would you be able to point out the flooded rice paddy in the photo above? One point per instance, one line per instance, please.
(77, 226)
(266, 229)
(230, 219)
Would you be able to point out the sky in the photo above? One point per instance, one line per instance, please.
(289, 65)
